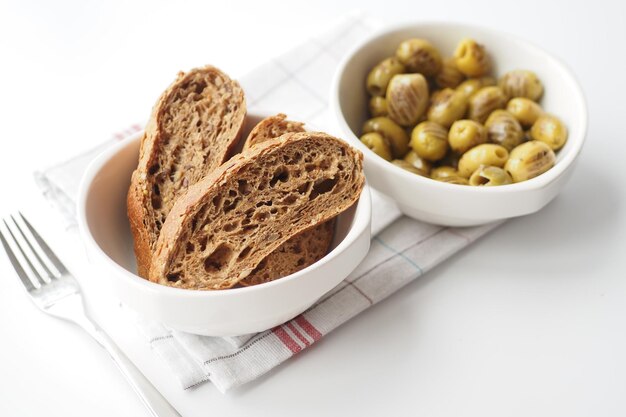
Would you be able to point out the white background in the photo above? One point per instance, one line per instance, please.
(529, 321)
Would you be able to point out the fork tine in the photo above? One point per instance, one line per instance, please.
(16, 264)
(44, 246)
(33, 250)
(35, 266)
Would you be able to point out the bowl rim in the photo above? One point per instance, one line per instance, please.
(360, 222)
(536, 183)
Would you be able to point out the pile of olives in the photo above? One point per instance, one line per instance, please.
(449, 120)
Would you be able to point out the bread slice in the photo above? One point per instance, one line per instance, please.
(295, 254)
(270, 128)
(192, 130)
(303, 249)
(227, 223)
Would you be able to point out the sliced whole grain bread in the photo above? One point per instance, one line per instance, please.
(193, 127)
(303, 249)
(228, 222)
(270, 128)
(295, 254)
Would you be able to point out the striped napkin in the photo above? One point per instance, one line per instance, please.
(296, 83)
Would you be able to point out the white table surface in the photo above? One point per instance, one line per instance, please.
(531, 320)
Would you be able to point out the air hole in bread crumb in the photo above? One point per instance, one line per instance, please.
(173, 277)
(300, 262)
(228, 205)
(261, 216)
(156, 202)
(302, 189)
(281, 175)
(203, 241)
(232, 193)
(244, 252)
(249, 227)
(199, 87)
(190, 248)
(220, 257)
(243, 187)
(229, 227)
(322, 187)
(264, 203)
(156, 190)
(217, 201)
(309, 167)
(289, 200)
(153, 169)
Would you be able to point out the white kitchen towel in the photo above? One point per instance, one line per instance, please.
(297, 83)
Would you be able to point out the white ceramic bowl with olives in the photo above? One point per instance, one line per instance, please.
(451, 151)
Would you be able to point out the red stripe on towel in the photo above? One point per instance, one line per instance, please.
(298, 334)
(308, 327)
(286, 339)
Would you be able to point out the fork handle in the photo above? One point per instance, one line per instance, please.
(150, 396)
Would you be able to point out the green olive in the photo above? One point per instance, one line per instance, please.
(489, 176)
(378, 106)
(381, 74)
(377, 143)
(521, 83)
(430, 141)
(397, 138)
(443, 172)
(465, 134)
(529, 160)
(485, 154)
(484, 101)
(419, 55)
(449, 75)
(406, 166)
(471, 58)
(504, 129)
(454, 179)
(407, 98)
(524, 110)
(549, 130)
(420, 164)
(472, 85)
(446, 106)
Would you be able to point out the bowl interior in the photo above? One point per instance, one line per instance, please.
(105, 203)
(562, 95)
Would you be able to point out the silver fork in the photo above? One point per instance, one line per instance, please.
(55, 291)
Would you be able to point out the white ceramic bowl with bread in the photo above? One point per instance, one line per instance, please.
(449, 204)
(104, 227)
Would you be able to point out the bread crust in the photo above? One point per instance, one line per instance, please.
(215, 93)
(202, 209)
(270, 128)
